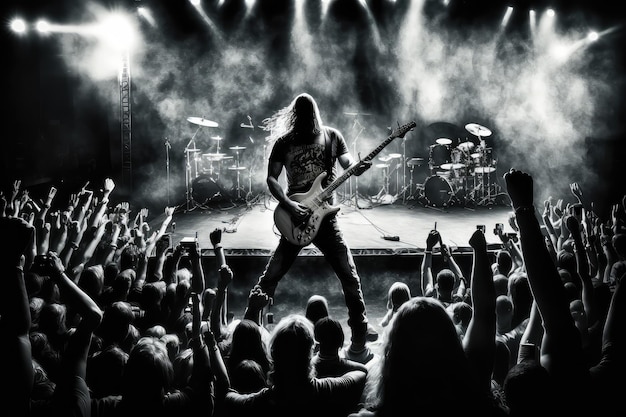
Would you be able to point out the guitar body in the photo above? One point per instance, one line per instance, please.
(316, 199)
(303, 233)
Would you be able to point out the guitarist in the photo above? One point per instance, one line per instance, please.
(305, 148)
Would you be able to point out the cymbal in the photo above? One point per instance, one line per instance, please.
(475, 155)
(477, 130)
(466, 146)
(484, 170)
(192, 150)
(443, 141)
(395, 155)
(237, 148)
(201, 121)
(452, 166)
(384, 158)
(216, 137)
(382, 165)
(236, 168)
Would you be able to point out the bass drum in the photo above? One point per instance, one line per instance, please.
(438, 191)
(204, 188)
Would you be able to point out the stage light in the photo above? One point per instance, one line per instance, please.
(18, 26)
(117, 30)
(593, 36)
(146, 14)
(506, 17)
(42, 26)
(195, 2)
(550, 12)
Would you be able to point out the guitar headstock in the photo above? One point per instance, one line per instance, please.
(402, 130)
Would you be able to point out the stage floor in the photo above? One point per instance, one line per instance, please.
(248, 228)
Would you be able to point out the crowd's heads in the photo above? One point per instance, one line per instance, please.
(105, 370)
(422, 340)
(501, 284)
(329, 334)
(129, 258)
(291, 349)
(504, 262)
(504, 313)
(247, 377)
(445, 281)
(91, 281)
(148, 373)
(316, 308)
(247, 343)
(398, 293)
(528, 389)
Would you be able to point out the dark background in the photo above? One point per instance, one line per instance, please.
(562, 122)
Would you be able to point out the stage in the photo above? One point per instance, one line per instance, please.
(249, 236)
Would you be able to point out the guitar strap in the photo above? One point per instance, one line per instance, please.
(329, 155)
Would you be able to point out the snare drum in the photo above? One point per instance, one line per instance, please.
(439, 155)
(438, 191)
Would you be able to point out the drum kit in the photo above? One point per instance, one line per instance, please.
(460, 174)
(203, 170)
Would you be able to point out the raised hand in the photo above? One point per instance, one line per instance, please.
(477, 241)
(226, 277)
(575, 189)
(257, 300)
(109, 185)
(573, 226)
(520, 188)
(169, 211)
(216, 236)
(432, 239)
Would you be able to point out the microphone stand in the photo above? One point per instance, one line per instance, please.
(167, 168)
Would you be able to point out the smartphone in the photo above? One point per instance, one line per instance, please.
(577, 211)
(499, 228)
(480, 227)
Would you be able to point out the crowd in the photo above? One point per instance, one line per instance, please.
(102, 316)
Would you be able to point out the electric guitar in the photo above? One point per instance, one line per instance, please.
(316, 199)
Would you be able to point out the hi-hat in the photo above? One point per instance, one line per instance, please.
(395, 155)
(201, 121)
(382, 165)
(443, 141)
(236, 168)
(237, 148)
(477, 130)
(415, 162)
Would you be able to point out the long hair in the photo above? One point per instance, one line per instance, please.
(291, 348)
(248, 344)
(423, 364)
(301, 116)
(148, 374)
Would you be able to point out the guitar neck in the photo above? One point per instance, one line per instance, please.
(350, 171)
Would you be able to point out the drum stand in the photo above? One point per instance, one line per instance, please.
(354, 195)
(190, 152)
(237, 168)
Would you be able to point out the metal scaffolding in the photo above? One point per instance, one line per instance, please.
(126, 123)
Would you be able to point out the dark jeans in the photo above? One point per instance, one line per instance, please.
(329, 240)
